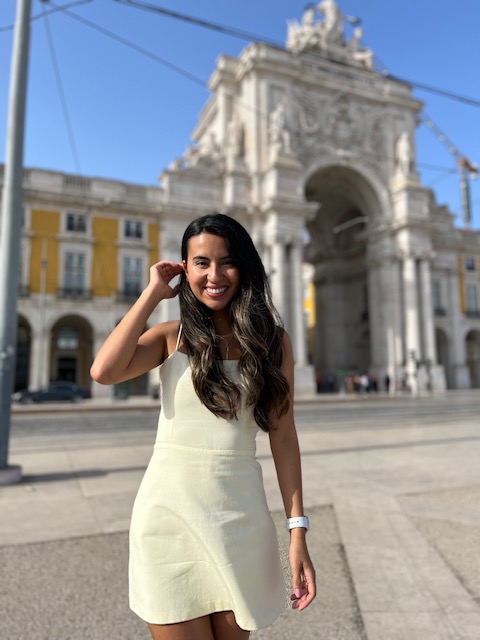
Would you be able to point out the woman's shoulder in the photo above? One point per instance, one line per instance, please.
(167, 332)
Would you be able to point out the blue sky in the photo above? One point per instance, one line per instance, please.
(131, 116)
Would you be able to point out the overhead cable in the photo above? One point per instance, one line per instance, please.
(46, 12)
(243, 35)
(229, 31)
(203, 84)
(137, 48)
(61, 94)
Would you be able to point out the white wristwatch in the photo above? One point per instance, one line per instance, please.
(299, 521)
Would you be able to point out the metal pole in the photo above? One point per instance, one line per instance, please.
(11, 220)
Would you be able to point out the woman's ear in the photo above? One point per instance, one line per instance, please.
(184, 265)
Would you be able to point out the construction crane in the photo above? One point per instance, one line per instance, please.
(467, 168)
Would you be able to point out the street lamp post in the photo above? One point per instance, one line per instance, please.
(10, 226)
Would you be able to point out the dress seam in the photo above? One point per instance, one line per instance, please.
(209, 451)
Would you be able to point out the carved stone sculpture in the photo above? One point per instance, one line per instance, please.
(235, 139)
(278, 130)
(328, 35)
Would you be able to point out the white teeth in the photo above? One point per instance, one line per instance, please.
(215, 291)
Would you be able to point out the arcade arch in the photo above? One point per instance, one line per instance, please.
(442, 348)
(22, 362)
(71, 350)
(340, 252)
(473, 357)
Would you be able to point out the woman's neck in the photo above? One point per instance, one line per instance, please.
(222, 324)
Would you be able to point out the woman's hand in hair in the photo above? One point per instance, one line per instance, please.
(161, 274)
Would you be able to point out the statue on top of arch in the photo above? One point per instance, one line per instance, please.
(328, 34)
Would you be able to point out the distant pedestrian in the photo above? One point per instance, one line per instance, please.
(364, 383)
(386, 382)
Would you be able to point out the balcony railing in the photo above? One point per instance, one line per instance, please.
(128, 295)
(74, 293)
(472, 313)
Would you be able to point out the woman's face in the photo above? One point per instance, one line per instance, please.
(210, 272)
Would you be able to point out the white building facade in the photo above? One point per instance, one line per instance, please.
(314, 152)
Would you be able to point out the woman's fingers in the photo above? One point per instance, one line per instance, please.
(168, 270)
(306, 591)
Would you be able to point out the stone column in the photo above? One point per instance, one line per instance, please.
(39, 359)
(374, 318)
(410, 288)
(412, 326)
(278, 258)
(170, 239)
(297, 315)
(427, 312)
(458, 351)
(385, 317)
(389, 339)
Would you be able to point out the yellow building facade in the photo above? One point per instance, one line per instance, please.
(86, 248)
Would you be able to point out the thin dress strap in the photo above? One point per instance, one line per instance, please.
(178, 338)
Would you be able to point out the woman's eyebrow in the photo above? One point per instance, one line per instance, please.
(205, 258)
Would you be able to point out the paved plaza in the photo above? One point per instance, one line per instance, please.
(392, 486)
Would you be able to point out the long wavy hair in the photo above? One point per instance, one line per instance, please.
(256, 326)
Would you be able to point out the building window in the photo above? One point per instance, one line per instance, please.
(132, 276)
(472, 300)
(133, 229)
(67, 338)
(438, 308)
(437, 294)
(76, 222)
(470, 264)
(74, 281)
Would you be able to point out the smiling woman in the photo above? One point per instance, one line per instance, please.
(204, 559)
(211, 273)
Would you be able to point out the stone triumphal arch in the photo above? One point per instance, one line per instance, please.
(314, 151)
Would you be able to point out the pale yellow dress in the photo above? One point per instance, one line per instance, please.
(202, 538)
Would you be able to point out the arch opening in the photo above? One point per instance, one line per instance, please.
(71, 350)
(23, 354)
(473, 357)
(339, 250)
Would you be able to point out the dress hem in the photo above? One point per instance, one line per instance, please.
(205, 610)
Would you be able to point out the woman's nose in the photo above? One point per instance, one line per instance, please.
(214, 272)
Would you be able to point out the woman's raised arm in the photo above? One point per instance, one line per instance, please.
(127, 352)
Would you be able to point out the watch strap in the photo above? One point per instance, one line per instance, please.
(299, 521)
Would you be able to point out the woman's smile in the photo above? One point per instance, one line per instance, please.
(215, 292)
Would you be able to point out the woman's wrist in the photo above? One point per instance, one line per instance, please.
(151, 292)
(298, 534)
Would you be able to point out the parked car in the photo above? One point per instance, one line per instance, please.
(61, 391)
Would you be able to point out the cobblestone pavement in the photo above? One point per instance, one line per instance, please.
(392, 486)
